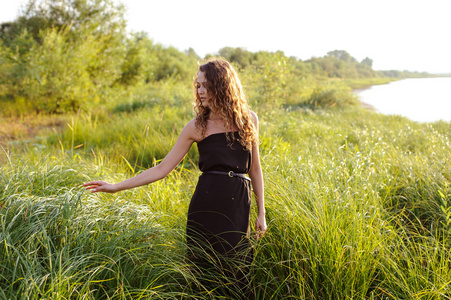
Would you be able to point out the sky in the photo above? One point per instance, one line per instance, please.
(396, 34)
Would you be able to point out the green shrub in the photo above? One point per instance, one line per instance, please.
(327, 96)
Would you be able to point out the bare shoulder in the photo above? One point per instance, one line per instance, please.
(191, 131)
(254, 117)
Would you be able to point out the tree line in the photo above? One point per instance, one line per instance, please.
(59, 56)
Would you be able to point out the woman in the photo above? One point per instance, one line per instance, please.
(226, 133)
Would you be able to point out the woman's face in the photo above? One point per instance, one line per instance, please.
(202, 89)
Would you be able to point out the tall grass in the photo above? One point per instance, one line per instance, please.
(340, 220)
(358, 207)
(138, 131)
(59, 242)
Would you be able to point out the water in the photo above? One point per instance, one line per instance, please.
(419, 99)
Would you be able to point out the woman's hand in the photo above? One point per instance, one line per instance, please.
(260, 226)
(100, 186)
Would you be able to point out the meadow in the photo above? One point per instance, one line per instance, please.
(358, 204)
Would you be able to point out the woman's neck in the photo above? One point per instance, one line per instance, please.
(214, 117)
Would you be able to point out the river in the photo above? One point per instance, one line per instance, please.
(419, 99)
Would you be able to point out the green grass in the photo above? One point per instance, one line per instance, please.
(358, 207)
(363, 83)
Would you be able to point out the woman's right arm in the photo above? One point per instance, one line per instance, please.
(186, 138)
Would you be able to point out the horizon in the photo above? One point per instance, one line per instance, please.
(408, 36)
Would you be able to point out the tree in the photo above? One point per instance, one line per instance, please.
(240, 56)
(99, 17)
(367, 62)
(342, 55)
(64, 54)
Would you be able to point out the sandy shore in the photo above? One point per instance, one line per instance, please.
(367, 106)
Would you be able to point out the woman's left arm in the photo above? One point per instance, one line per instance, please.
(256, 175)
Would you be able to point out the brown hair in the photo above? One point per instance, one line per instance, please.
(227, 100)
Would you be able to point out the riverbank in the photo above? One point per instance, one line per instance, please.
(367, 106)
(364, 83)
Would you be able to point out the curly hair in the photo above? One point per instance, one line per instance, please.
(227, 100)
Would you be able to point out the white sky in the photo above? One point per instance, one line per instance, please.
(397, 34)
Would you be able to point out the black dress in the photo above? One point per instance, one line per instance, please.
(218, 215)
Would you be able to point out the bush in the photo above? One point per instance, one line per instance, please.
(325, 96)
(59, 75)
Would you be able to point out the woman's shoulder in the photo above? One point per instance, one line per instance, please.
(254, 117)
(192, 130)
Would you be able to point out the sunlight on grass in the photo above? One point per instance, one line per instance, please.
(357, 205)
